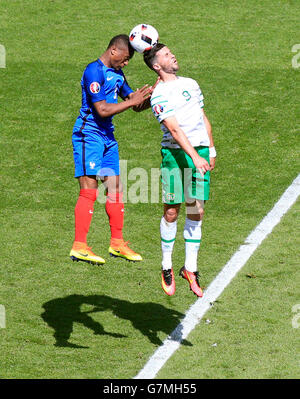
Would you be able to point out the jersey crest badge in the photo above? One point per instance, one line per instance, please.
(94, 87)
(158, 109)
(170, 197)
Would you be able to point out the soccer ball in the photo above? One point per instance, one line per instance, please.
(143, 37)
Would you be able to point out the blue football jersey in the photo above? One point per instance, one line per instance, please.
(99, 83)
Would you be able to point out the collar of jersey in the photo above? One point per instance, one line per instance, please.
(107, 68)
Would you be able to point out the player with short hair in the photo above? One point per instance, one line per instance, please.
(95, 148)
(188, 156)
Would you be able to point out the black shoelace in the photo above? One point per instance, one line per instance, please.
(168, 276)
(197, 277)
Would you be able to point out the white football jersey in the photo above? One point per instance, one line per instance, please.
(183, 99)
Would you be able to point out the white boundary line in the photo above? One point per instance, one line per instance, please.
(217, 286)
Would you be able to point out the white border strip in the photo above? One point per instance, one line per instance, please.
(217, 286)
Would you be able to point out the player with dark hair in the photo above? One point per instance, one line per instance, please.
(95, 148)
(188, 156)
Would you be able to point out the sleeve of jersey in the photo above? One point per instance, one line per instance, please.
(94, 84)
(200, 97)
(162, 107)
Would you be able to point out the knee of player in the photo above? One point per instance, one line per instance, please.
(195, 213)
(171, 215)
(201, 213)
(113, 186)
(120, 187)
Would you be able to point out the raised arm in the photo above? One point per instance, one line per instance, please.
(136, 98)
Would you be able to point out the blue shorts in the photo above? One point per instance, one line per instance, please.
(95, 154)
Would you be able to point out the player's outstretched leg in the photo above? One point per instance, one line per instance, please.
(193, 279)
(168, 281)
(115, 210)
(192, 236)
(168, 234)
(83, 215)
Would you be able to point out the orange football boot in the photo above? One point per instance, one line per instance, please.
(119, 248)
(193, 279)
(81, 252)
(168, 281)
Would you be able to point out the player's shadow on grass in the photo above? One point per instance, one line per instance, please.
(149, 318)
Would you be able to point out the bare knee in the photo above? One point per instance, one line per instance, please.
(88, 182)
(195, 210)
(171, 214)
(113, 184)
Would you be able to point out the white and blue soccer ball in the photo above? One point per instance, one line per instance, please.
(143, 37)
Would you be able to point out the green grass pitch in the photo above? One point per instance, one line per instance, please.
(114, 317)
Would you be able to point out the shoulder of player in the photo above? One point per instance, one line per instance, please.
(190, 81)
(94, 65)
(95, 69)
(158, 93)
